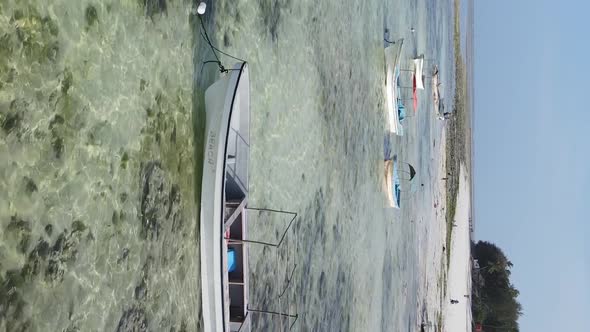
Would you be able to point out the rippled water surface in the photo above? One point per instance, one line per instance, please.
(101, 131)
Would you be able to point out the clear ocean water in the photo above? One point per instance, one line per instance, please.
(101, 138)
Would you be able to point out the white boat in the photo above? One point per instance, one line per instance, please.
(418, 72)
(392, 182)
(392, 60)
(224, 198)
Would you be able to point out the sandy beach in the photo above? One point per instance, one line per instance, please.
(438, 285)
(457, 317)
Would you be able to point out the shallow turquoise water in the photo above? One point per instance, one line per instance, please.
(101, 101)
(318, 124)
(89, 98)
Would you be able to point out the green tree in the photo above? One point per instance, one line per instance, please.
(494, 302)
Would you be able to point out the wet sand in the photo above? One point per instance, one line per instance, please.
(457, 317)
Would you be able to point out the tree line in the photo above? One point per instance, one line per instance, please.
(494, 299)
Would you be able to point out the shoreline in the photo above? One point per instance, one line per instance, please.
(454, 273)
(458, 286)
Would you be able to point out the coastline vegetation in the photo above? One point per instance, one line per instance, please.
(494, 304)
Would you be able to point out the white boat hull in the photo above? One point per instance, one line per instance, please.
(392, 56)
(419, 72)
(390, 168)
(228, 95)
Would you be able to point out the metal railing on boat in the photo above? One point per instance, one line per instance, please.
(274, 244)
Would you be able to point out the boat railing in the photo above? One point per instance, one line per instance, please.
(238, 158)
(283, 245)
(283, 234)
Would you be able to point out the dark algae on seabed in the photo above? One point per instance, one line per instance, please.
(98, 227)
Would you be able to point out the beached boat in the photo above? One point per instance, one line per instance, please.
(392, 182)
(398, 174)
(395, 109)
(224, 198)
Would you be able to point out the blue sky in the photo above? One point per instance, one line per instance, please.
(532, 152)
